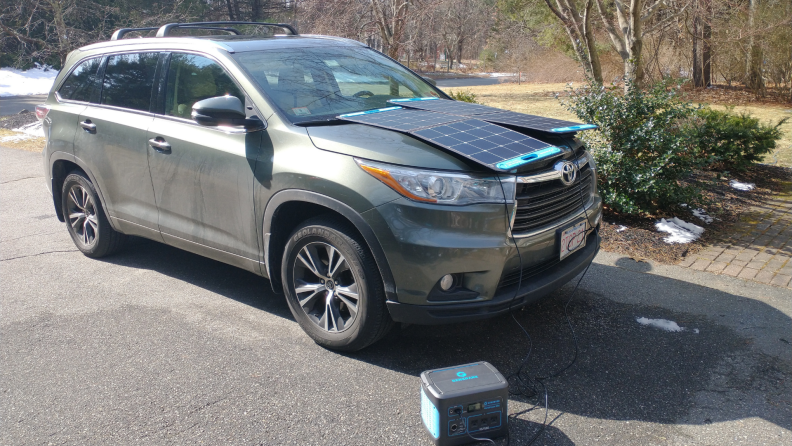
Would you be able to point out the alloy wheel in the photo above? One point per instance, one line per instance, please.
(325, 287)
(82, 214)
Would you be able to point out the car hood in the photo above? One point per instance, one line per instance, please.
(383, 145)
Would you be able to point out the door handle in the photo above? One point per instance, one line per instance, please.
(160, 145)
(88, 126)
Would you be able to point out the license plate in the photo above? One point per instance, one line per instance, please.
(573, 238)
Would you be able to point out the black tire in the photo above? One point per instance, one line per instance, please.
(371, 319)
(92, 235)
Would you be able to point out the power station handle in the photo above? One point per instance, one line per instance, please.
(89, 126)
(160, 146)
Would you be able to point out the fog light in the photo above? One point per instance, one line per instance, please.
(447, 282)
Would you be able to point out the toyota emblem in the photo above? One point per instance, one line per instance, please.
(568, 172)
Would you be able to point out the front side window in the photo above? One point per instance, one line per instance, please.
(193, 78)
(318, 83)
(82, 83)
(128, 80)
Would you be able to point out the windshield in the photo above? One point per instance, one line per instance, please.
(309, 84)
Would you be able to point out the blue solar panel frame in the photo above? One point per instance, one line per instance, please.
(485, 143)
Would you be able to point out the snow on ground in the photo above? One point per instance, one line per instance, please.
(621, 228)
(37, 80)
(679, 231)
(702, 215)
(663, 324)
(498, 74)
(739, 185)
(32, 130)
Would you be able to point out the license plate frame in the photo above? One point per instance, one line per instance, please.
(572, 238)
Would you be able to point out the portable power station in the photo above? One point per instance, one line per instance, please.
(463, 401)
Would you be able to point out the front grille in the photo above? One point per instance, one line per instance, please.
(513, 277)
(542, 204)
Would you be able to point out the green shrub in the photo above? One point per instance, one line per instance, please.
(464, 96)
(644, 147)
(732, 140)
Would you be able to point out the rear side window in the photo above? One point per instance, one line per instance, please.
(194, 78)
(82, 83)
(128, 80)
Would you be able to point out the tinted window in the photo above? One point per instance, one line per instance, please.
(82, 82)
(193, 78)
(128, 79)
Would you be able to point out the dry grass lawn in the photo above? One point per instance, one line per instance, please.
(537, 99)
(29, 144)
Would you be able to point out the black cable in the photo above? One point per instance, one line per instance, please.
(526, 382)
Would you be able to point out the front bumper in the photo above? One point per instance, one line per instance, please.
(533, 288)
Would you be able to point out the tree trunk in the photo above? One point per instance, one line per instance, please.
(230, 10)
(753, 68)
(60, 28)
(706, 44)
(255, 10)
(593, 54)
(633, 72)
(698, 81)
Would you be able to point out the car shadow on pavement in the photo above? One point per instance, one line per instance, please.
(217, 277)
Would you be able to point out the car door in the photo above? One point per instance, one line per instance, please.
(203, 176)
(111, 141)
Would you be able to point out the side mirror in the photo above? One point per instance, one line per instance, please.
(223, 110)
(430, 80)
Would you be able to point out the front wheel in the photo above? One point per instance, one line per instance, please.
(333, 286)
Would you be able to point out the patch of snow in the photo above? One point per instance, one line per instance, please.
(30, 131)
(621, 228)
(739, 185)
(702, 214)
(680, 231)
(498, 74)
(663, 324)
(37, 80)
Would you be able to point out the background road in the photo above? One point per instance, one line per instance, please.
(11, 105)
(158, 346)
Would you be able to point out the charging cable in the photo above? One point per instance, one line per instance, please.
(524, 384)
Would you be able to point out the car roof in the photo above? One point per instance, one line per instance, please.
(228, 43)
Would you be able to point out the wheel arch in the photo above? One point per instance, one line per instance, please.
(61, 163)
(288, 208)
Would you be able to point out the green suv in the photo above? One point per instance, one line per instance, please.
(359, 189)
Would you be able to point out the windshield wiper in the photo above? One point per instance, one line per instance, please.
(318, 122)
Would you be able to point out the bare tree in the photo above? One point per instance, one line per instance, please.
(627, 39)
(578, 28)
(390, 18)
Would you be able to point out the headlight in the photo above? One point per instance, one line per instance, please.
(431, 186)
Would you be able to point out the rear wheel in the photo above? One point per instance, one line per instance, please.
(86, 220)
(333, 286)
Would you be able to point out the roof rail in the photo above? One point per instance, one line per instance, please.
(120, 33)
(165, 30)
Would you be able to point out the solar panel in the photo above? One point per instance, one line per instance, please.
(485, 143)
(399, 119)
(494, 115)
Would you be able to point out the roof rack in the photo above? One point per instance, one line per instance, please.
(165, 30)
(120, 33)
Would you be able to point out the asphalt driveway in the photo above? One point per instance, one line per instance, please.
(158, 346)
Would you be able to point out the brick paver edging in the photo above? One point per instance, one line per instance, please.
(759, 249)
